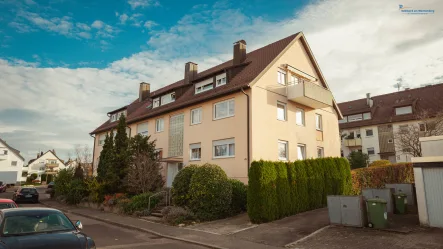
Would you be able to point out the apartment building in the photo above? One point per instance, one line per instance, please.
(45, 163)
(11, 164)
(272, 103)
(370, 124)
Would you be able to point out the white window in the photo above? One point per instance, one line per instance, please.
(156, 103)
(403, 110)
(224, 109)
(282, 150)
(168, 98)
(281, 77)
(318, 122)
(320, 152)
(356, 117)
(196, 151)
(299, 116)
(223, 148)
(159, 125)
(301, 151)
(101, 139)
(366, 115)
(281, 111)
(203, 86)
(142, 129)
(293, 80)
(344, 120)
(196, 116)
(422, 127)
(13, 163)
(371, 151)
(220, 80)
(113, 117)
(369, 133)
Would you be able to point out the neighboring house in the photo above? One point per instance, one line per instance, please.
(45, 163)
(370, 124)
(11, 164)
(272, 103)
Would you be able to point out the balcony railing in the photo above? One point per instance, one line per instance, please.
(51, 165)
(352, 142)
(310, 94)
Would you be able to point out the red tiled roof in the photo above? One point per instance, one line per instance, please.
(256, 61)
(429, 98)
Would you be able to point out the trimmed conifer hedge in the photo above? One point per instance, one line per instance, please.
(278, 189)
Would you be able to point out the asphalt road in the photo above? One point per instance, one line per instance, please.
(108, 236)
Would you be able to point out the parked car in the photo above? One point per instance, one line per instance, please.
(25, 194)
(44, 228)
(51, 185)
(3, 187)
(7, 203)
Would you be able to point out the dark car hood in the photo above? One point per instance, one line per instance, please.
(62, 240)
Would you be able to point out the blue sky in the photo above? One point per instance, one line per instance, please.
(65, 63)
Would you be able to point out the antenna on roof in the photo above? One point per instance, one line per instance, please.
(400, 85)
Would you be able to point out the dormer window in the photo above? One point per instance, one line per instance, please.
(403, 110)
(156, 102)
(168, 98)
(204, 86)
(113, 117)
(220, 80)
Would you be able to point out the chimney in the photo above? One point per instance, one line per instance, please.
(53, 151)
(191, 70)
(239, 52)
(369, 101)
(144, 91)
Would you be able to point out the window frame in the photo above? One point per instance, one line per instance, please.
(193, 147)
(281, 74)
(303, 117)
(222, 142)
(222, 78)
(373, 151)
(228, 115)
(156, 125)
(285, 112)
(322, 149)
(101, 142)
(319, 122)
(286, 144)
(367, 118)
(156, 102)
(424, 126)
(200, 110)
(366, 132)
(360, 118)
(147, 129)
(201, 85)
(403, 108)
(303, 151)
(170, 97)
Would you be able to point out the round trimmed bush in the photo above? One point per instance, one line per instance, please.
(210, 193)
(239, 196)
(380, 163)
(180, 186)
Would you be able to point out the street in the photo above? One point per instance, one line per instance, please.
(108, 236)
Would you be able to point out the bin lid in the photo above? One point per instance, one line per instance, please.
(377, 200)
(400, 194)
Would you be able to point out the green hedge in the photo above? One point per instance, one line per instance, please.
(278, 189)
(239, 196)
(180, 186)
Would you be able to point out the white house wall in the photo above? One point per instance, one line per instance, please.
(6, 161)
(400, 156)
(39, 165)
(366, 142)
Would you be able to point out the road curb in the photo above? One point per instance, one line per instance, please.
(137, 228)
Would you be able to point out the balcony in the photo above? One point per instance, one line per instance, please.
(352, 142)
(51, 165)
(310, 94)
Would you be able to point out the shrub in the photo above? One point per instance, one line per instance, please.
(33, 177)
(43, 177)
(177, 215)
(262, 193)
(180, 186)
(210, 193)
(298, 186)
(77, 190)
(239, 196)
(95, 189)
(358, 159)
(379, 163)
(62, 181)
(136, 203)
(377, 177)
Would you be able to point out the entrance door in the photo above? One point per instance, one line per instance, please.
(173, 169)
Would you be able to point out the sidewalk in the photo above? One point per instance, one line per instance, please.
(176, 233)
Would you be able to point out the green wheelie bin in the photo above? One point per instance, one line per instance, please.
(377, 213)
(401, 203)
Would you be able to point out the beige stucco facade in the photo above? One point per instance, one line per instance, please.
(265, 129)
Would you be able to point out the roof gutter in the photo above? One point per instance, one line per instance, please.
(247, 128)
(93, 153)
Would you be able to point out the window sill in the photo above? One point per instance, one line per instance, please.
(223, 157)
(283, 120)
(214, 119)
(159, 131)
(319, 129)
(196, 123)
(192, 160)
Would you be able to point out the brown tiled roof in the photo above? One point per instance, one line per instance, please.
(429, 98)
(256, 61)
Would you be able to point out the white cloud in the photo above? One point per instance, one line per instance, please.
(83, 26)
(85, 35)
(97, 24)
(149, 24)
(134, 19)
(123, 18)
(142, 3)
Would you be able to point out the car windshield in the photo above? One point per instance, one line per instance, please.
(6, 205)
(30, 224)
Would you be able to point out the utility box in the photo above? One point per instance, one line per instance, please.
(405, 188)
(384, 193)
(347, 210)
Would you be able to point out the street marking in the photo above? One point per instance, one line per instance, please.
(306, 237)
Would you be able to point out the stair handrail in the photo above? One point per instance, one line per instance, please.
(156, 194)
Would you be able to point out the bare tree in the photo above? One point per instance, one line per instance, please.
(144, 174)
(407, 138)
(83, 157)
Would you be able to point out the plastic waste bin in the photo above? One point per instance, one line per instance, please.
(377, 213)
(401, 203)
